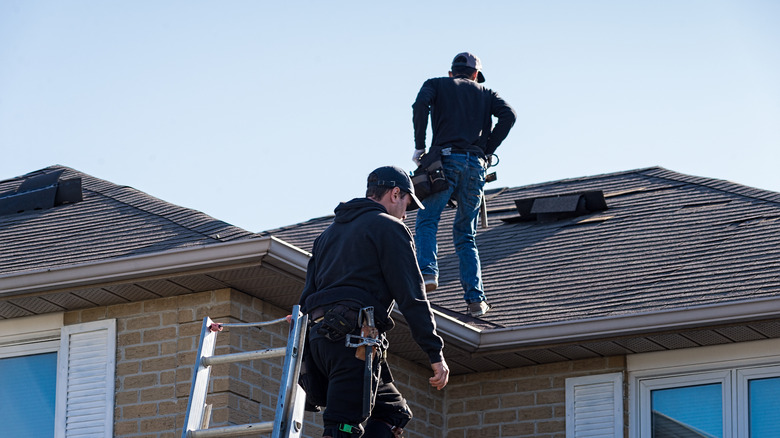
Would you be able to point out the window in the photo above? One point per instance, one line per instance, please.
(28, 375)
(57, 381)
(29, 389)
(696, 409)
(761, 388)
(685, 405)
(727, 391)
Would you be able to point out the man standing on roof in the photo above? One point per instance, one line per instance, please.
(366, 257)
(461, 111)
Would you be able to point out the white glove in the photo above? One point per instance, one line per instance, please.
(418, 153)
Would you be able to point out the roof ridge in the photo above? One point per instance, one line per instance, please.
(585, 178)
(714, 183)
(150, 200)
(295, 225)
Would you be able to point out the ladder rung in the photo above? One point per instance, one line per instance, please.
(228, 431)
(245, 356)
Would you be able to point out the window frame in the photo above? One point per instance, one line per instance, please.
(37, 334)
(29, 336)
(732, 364)
(648, 385)
(743, 377)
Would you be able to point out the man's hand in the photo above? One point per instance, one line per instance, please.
(441, 374)
(418, 153)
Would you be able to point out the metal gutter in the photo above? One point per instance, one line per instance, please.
(608, 327)
(202, 258)
(288, 258)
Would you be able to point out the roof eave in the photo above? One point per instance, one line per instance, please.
(202, 258)
(568, 332)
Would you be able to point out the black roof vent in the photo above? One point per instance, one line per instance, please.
(553, 208)
(40, 192)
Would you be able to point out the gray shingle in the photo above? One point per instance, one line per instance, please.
(669, 241)
(111, 222)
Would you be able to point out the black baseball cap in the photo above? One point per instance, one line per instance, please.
(467, 59)
(393, 176)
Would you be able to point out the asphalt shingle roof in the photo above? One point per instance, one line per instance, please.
(666, 241)
(112, 221)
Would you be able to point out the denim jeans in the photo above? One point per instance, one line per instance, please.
(466, 176)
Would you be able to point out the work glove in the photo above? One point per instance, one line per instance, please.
(418, 153)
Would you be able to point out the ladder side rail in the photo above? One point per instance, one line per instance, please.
(299, 404)
(289, 389)
(200, 380)
(244, 356)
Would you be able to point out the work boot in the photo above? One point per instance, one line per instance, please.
(431, 282)
(478, 308)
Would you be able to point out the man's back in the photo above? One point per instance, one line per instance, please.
(461, 115)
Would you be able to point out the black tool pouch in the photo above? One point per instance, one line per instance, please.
(335, 325)
(429, 177)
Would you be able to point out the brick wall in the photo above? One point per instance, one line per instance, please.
(157, 342)
(520, 402)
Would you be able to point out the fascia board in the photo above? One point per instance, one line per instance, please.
(466, 335)
(202, 258)
(608, 327)
(287, 257)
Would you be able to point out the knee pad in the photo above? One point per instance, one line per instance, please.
(400, 417)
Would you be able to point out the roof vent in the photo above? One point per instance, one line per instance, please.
(553, 208)
(41, 192)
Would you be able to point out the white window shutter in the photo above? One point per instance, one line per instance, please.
(594, 406)
(85, 380)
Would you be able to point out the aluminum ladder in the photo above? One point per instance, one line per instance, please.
(288, 417)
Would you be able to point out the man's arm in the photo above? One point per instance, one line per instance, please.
(506, 119)
(421, 108)
(405, 284)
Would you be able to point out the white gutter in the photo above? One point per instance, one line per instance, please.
(191, 260)
(288, 258)
(607, 327)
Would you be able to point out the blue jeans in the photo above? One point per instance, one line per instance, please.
(466, 176)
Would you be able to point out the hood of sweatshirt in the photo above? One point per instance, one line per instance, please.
(351, 210)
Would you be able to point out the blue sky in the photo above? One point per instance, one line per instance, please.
(265, 114)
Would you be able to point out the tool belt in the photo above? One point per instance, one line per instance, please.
(334, 322)
(429, 177)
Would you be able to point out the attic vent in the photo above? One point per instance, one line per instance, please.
(552, 208)
(41, 192)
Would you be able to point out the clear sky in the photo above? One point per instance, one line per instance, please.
(268, 113)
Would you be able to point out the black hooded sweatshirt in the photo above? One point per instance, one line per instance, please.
(367, 257)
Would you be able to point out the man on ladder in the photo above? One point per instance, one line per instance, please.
(361, 266)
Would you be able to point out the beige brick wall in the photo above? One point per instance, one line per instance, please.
(520, 402)
(157, 342)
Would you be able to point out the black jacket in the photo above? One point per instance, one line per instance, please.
(368, 257)
(461, 114)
